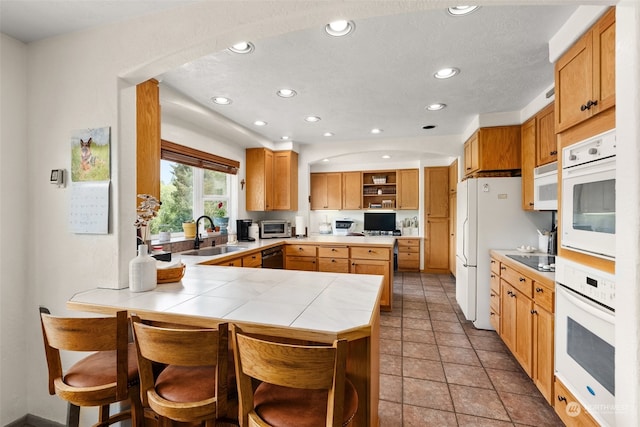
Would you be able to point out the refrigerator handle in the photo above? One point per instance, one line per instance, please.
(464, 234)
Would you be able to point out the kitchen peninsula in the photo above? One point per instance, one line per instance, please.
(309, 306)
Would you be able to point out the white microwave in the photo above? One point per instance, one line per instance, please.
(589, 196)
(545, 187)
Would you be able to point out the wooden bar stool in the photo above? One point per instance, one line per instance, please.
(109, 375)
(192, 387)
(301, 386)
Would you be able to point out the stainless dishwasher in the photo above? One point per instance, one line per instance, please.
(273, 258)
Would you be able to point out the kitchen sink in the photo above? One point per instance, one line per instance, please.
(213, 250)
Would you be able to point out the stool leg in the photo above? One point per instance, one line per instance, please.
(73, 415)
(103, 414)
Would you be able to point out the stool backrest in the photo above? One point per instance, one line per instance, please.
(296, 366)
(182, 347)
(85, 334)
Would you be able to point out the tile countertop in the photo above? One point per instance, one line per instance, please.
(543, 276)
(312, 301)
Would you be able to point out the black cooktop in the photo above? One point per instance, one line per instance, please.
(537, 262)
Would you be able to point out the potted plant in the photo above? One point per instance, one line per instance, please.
(189, 228)
(220, 218)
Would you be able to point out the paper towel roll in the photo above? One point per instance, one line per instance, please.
(300, 227)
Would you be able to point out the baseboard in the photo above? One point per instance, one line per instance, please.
(33, 421)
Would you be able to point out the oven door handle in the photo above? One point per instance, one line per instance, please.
(588, 306)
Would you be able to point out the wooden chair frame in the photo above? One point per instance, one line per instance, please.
(183, 347)
(93, 334)
(296, 366)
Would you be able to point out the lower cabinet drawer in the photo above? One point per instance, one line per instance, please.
(333, 265)
(301, 263)
(494, 319)
(254, 260)
(370, 253)
(543, 296)
(570, 411)
(333, 252)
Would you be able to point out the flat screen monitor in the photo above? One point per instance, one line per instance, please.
(379, 221)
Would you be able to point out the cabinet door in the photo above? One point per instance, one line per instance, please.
(453, 177)
(604, 56)
(528, 138)
(507, 315)
(304, 263)
(573, 77)
(368, 266)
(542, 374)
(351, 190)
(437, 245)
(259, 179)
(547, 147)
(326, 191)
(407, 188)
(436, 192)
(517, 324)
(333, 265)
(471, 154)
(453, 200)
(285, 181)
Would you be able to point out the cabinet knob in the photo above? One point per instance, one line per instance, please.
(513, 295)
(562, 398)
(553, 153)
(522, 279)
(493, 276)
(538, 290)
(534, 312)
(503, 268)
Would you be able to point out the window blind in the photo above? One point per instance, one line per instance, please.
(192, 157)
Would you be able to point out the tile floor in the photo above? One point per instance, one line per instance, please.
(436, 369)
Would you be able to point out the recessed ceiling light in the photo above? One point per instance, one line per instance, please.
(286, 93)
(427, 127)
(376, 131)
(327, 134)
(221, 100)
(386, 156)
(242, 47)
(325, 160)
(284, 137)
(436, 106)
(340, 27)
(260, 123)
(461, 10)
(312, 119)
(446, 73)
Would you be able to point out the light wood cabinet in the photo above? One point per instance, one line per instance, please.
(526, 319)
(253, 260)
(574, 416)
(546, 144)
(379, 189)
(436, 187)
(408, 184)
(301, 257)
(528, 137)
(436, 245)
(334, 259)
(351, 190)
(436, 220)
(259, 196)
(408, 254)
(585, 75)
(453, 206)
(285, 181)
(326, 190)
(370, 260)
(492, 149)
(272, 180)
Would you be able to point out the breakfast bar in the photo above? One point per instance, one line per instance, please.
(309, 306)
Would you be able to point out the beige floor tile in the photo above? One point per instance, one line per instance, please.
(418, 335)
(391, 347)
(420, 350)
(390, 333)
(390, 414)
(498, 360)
(390, 364)
(529, 410)
(412, 323)
(512, 381)
(452, 340)
(442, 326)
(391, 387)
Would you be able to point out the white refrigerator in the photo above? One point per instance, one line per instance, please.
(489, 216)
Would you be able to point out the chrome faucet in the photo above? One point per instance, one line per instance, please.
(197, 241)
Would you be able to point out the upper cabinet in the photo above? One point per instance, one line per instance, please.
(492, 149)
(326, 190)
(379, 189)
(538, 147)
(351, 190)
(408, 197)
(585, 75)
(272, 180)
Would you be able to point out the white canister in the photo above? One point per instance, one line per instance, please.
(543, 242)
(142, 271)
(254, 231)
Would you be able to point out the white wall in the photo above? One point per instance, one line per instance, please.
(14, 228)
(85, 80)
